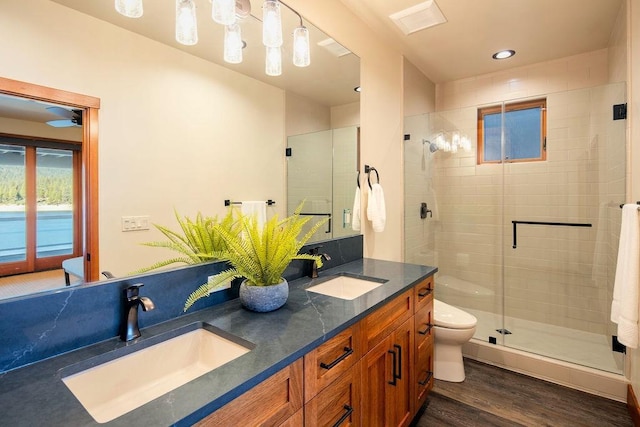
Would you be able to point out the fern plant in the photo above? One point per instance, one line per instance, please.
(197, 241)
(261, 256)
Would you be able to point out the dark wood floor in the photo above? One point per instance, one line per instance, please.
(492, 396)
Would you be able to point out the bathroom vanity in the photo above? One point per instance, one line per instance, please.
(318, 360)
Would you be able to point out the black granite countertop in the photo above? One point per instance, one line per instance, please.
(35, 395)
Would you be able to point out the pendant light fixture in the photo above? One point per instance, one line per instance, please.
(273, 63)
(271, 24)
(186, 22)
(224, 11)
(129, 8)
(301, 51)
(233, 44)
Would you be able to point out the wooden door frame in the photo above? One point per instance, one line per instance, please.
(90, 105)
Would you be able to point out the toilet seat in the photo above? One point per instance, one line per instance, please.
(448, 316)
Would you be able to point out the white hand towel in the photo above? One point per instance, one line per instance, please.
(257, 209)
(355, 213)
(624, 308)
(376, 210)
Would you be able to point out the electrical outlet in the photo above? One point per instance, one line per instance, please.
(225, 285)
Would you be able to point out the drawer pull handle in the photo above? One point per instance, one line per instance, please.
(347, 351)
(424, 292)
(344, 416)
(426, 331)
(394, 362)
(399, 375)
(426, 380)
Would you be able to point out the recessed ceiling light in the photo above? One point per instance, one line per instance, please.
(357, 89)
(504, 54)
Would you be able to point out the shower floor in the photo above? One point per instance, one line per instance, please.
(570, 345)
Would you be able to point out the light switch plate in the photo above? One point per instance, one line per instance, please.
(135, 223)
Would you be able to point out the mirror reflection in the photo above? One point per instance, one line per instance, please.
(322, 170)
(172, 137)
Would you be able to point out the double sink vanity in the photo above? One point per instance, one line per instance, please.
(353, 347)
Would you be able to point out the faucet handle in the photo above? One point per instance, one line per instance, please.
(133, 290)
(315, 250)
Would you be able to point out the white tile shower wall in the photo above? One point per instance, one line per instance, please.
(559, 274)
(345, 153)
(419, 232)
(309, 173)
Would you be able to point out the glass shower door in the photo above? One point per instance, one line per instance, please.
(561, 225)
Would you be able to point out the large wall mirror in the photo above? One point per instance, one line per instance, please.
(177, 134)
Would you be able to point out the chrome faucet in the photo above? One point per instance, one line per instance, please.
(129, 327)
(313, 273)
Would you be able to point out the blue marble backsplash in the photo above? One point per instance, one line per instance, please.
(44, 325)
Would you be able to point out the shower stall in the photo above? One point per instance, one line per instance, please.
(528, 247)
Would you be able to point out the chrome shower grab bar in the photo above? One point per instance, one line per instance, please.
(561, 224)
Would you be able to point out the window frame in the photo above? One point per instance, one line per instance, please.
(32, 263)
(514, 106)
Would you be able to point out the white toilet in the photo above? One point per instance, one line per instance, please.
(453, 327)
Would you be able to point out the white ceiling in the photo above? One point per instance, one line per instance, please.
(538, 30)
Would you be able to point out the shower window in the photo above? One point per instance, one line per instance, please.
(524, 132)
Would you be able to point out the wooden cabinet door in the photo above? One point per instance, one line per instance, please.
(423, 325)
(402, 342)
(387, 389)
(377, 391)
(271, 403)
(424, 372)
(338, 404)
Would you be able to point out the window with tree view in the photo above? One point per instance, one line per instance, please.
(525, 134)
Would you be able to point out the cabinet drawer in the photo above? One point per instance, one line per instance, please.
(423, 293)
(379, 324)
(424, 372)
(424, 323)
(338, 404)
(270, 403)
(327, 362)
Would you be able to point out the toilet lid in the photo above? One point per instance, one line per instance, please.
(448, 316)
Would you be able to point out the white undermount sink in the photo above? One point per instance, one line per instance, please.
(346, 287)
(118, 386)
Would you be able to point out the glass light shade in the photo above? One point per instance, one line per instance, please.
(224, 11)
(273, 63)
(301, 51)
(455, 138)
(186, 22)
(271, 24)
(233, 44)
(129, 8)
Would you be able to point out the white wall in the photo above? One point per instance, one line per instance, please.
(633, 174)
(381, 112)
(175, 131)
(305, 116)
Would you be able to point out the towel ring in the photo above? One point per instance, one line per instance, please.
(358, 179)
(369, 176)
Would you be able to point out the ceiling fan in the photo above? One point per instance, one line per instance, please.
(71, 117)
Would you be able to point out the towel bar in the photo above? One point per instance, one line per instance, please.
(637, 203)
(228, 202)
